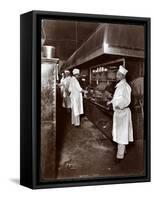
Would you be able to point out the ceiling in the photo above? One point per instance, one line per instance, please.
(67, 36)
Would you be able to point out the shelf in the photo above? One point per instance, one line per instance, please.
(104, 80)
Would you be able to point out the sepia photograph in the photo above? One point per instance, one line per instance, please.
(85, 99)
(92, 100)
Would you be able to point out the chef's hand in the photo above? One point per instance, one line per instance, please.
(108, 103)
(59, 84)
(85, 91)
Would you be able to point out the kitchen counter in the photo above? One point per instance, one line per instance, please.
(99, 115)
(101, 107)
(102, 118)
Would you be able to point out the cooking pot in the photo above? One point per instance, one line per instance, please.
(48, 51)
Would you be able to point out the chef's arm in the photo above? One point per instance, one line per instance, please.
(84, 91)
(121, 102)
(81, 90)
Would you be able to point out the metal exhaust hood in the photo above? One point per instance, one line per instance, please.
(110, 39)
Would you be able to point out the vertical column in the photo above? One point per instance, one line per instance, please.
(48, 120)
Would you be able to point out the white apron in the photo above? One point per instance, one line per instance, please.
(122, 130)
(76, 97)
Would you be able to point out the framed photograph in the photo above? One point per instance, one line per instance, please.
(85, 99)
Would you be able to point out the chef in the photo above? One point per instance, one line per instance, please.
(122, 130)
(61, 83)
(76, 97)
(66, 103)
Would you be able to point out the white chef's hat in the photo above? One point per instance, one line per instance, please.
(76, 71)
(122, 70)
(67, 71)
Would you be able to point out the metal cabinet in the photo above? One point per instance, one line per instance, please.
(48, 119)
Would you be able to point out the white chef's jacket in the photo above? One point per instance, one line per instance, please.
(122, 130)
(76, 97)
(61, 86)
(66, 98)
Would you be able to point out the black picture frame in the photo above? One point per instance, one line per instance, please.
(30, 59)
